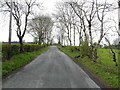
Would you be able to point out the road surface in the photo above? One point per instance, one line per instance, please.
(52, 69)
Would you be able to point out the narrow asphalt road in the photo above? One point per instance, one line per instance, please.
(52, 69)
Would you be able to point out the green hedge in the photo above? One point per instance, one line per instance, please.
(15, 49)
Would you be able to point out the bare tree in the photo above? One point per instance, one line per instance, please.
(113, 54)
(10, 33)
(61, 32)
(74, 25)
(101, 10)
(81, 23)
(20, 11)
(119, 13)
(85, 14)
(89, 13)
(119, 33)
(40, 27)
(66, 15)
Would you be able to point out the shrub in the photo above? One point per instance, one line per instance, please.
(85, 50)
(15, 49)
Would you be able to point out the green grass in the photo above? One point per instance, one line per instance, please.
(104, 68)
(19, 60)
(0, 69)
(105, 56)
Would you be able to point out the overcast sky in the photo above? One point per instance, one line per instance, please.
(49, 8)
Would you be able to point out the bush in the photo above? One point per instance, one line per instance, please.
(85, 50)
(15, 49)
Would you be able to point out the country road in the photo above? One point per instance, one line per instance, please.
(52, 69)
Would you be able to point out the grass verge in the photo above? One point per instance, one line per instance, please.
(104, 68)
(17, 61)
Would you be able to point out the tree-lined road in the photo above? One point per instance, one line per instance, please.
(52, 69)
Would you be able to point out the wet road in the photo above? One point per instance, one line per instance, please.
(52, 69)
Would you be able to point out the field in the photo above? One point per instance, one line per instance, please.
(104, 68)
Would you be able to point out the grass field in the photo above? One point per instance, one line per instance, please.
(106, 57)
(104, 68)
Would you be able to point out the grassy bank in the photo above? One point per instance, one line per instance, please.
(19, 60)
(104, 68)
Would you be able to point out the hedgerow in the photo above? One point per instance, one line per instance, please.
(15, 49)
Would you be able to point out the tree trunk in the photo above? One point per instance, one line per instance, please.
(69, 38)
(91, 44)
(39, 42)
(74, 35)
(90, 33)
(62, 39)
(70, 42)
(79, 40)
(95, 54)
(21, 44)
